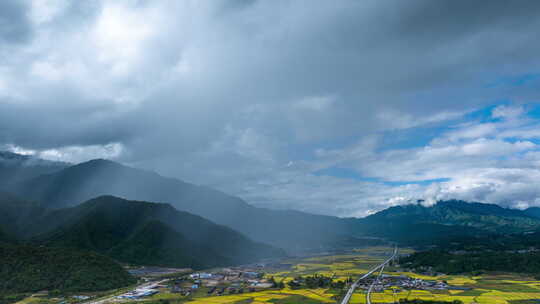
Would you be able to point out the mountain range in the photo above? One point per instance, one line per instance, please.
(284, 228)
(132, 232)
(68, 192)
(17, 167)
(416, 223)
(111, 213)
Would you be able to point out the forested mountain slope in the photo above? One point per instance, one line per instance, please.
(290, 229)
(140, 233)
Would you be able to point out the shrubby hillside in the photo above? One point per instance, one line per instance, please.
(31, 268)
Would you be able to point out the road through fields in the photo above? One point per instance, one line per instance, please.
(350, 292)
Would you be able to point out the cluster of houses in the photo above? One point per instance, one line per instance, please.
(405, 282)
(223, 281)
(411, 283)
(141, 292)
(185, 287)
(220, 282)
(228, 275)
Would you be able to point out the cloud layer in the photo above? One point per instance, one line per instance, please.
(335, 107)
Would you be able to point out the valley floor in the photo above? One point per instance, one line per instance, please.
(502, 288)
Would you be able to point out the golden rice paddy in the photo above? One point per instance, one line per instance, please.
(484, 289)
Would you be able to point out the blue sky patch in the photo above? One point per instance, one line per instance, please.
(347, 173)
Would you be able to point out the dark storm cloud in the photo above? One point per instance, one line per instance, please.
(370, 55)
(27, 126)
(14, 24)
(433, 20)
(215, 91)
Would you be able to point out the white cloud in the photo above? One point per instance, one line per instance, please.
(471, 131)
(46, 10)
(77, 154)
(507, 112)
(489, 148)
(120, 34)
(19, 150)
(394, 119)
(255, 96)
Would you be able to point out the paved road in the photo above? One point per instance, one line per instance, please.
(368, 295)
(350, 292)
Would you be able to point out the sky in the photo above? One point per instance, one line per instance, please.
(331, 107)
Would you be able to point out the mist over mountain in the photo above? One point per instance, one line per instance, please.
(16, 167)
(290, 229)
(136, 232)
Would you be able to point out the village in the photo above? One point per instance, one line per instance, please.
(386, 282)
(245, 279)
(218, 282)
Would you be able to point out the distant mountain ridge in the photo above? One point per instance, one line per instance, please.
(447, 219)
(288, 229)
(533, 212)
(456, 212)
(78, 183)
(17, 167)
(138, 232)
